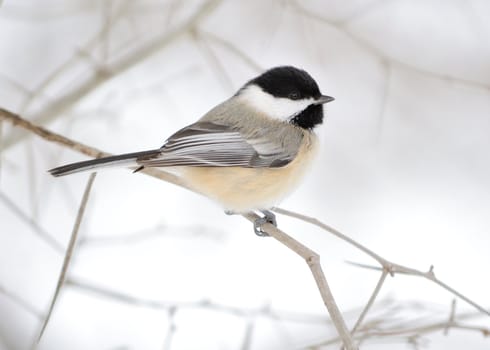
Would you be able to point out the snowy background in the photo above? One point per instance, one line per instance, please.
(404, 168)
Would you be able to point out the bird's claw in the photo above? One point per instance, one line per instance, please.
(268, 218)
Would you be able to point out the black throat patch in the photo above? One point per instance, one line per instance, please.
(309, 118)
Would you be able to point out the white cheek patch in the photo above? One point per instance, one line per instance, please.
(279, 108)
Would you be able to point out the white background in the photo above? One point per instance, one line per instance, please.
(404, 168)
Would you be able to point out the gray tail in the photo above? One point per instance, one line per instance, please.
(128, 159)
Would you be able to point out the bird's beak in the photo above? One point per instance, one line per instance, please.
(323, 99)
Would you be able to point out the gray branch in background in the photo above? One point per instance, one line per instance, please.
(103, 74)
(104, 292)
(368, 47)
(36, 228)
(387, 267)
(21, 302)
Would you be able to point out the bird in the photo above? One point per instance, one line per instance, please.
(248, 152)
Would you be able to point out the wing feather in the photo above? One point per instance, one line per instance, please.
(209, 144)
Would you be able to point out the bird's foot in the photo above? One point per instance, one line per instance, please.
(269, 218)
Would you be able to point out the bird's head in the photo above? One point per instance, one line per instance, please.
(286, 93)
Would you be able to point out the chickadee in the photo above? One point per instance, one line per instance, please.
(246, 153)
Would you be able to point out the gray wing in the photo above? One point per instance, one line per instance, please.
(209, 144)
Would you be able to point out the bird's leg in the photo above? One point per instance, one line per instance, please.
(269, 217)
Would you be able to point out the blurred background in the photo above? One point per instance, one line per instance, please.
(404, 169)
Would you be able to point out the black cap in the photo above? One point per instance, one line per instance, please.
(288, 82)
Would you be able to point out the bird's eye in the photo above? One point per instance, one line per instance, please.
(294, 96)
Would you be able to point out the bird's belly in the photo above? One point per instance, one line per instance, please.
(242, 189)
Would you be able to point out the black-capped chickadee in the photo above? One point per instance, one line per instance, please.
(246, 153)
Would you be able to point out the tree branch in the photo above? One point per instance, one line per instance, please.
(313, 261)
(16, 120)
(201, 304)
(368, 47)
(40, 232)
(387, 265)
(370, 302)
(100, 76)
(69, 252)
(21, 302)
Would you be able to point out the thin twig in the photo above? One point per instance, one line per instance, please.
(69, 252)
(160, 230)
(171, 329)
(431, 277)
(361, 10)
(429, 329)
(368, 47)
(313, 261)
(451, 316)
(249, 332)
(65, 102)
(107, 20)
(370, 303)
(105, 292)
(391, 267)
(333, 231)
(408, 331)
(233, 49)
(16, 120)
(21, 302)
(45, 236)
(64, 67)
(213, 61)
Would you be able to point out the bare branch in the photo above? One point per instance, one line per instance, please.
(363, 8)
(202, 304)
(172, 327)
(431, 277)
(368, 47)
(77, 146)
(249, 332)
(69, 252)
(313, 261)
(63, 103)
(370, 303)
(411, 331)
(391, 267)
(213, 61)
(21, 302)
(159, 230)
(233, 49)
(40, 232)
(333, 231)
(451, 316)
(430, 328)
(73, 60)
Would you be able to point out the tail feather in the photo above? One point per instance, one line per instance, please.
(127, 159)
